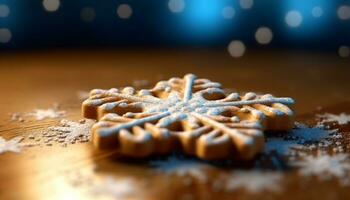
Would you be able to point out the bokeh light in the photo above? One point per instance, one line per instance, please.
(203, 19)
(344, 12)
(5, 35)
(4, 11)
(124, 11)
(236, 48)
(344, 51)
(263, 35)
(246, 4)
(205, 23)
(88, 14)
(51, 5)
(308, 21)
(176, 6)
(228, 12)
(317, 11)
(293, 18)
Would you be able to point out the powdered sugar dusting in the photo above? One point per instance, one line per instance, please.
(126, 188)
(191, 103)
(310, 134)
(182, 168)
(12, 145)
(69, 132)
(65, 133)
(325, 167)
(40, 114)
(340, 119)
(16, 117)
(254, 181)
(51, 113)
(301, 137)
(195, 103)
(281, 146)
(107, 187)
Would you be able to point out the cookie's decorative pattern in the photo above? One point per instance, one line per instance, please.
(192, 114)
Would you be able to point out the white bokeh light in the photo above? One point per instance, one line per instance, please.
(51, 5)
(4, 11)
(344, 12)
(263, 35)
(294, 18)
(87, 14)
(236, 48)
(344, 51)
(317, 11)
(176, 6)
(5, 35)
(228, 12)
(246, 4)
(124, 11)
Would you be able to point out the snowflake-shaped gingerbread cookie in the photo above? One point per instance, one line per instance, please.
(194, 115)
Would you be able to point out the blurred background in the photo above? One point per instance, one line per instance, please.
(234, 25)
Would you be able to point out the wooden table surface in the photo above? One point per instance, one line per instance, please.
(38, 79)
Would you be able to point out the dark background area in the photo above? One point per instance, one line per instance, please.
(92, 23)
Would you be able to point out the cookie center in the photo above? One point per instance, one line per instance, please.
(175, 105)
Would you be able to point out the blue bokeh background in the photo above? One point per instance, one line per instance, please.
(200, 24)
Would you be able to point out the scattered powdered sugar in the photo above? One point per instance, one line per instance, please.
(40, 114)
(300, 138)
(51, 113)
(281, 146)
(66, 132)
(16, 117)
(86, 180)
(325, 167)
(125, 188)
(340, 119)
(254, 181)
(310, 134)
(182, 168)
(69, 132)
(12, 145)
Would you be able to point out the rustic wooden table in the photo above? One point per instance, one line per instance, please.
(38, 79)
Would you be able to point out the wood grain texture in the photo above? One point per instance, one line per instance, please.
(38, 79)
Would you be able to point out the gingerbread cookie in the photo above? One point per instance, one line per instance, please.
(190, 114)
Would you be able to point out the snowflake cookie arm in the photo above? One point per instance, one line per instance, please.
(133, 137)
(278, 114)
(102, 102)
(273, 112)
(185, 86)
(241, 139)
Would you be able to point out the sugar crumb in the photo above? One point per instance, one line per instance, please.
(341, 119)
(12, 145)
